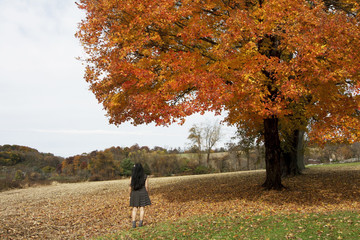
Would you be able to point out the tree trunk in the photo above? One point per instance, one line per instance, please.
(293, 158)
(199, 153)
(300, 150)
(272, 154)
(247, 152)
(208, 158)
(238, 156)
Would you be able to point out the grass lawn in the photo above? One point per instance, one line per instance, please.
(335, 225)
(334, 165)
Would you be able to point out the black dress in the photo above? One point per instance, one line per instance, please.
(140, 198)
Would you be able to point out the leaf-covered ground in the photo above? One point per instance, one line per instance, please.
(72, 211)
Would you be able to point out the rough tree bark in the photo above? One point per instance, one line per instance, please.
(272, 155)
(293, 158)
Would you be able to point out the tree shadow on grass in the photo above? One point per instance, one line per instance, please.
(314, 187)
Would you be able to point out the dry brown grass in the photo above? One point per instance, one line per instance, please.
(71, 211)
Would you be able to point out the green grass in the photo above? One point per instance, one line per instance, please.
(335, 225)
(334, 165)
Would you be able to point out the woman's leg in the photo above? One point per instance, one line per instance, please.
(133, 215)
(142, 213)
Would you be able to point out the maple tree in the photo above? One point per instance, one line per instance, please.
(257, 60)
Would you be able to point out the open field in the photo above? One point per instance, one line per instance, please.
(72, 211)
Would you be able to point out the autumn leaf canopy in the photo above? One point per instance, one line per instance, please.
(162, 60)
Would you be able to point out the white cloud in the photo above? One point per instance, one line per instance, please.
(103, 132)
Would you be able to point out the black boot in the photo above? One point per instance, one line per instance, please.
(134, 224)
(140, 223)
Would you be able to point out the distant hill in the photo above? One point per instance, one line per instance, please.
(26, 157)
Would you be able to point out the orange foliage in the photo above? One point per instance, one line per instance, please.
(160, 60)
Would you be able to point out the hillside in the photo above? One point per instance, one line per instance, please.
(23, 156)
(23, 166)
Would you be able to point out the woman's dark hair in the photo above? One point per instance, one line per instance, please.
(137, 177)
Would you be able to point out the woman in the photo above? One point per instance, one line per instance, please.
(139, 197)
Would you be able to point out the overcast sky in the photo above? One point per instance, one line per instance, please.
(44, 100)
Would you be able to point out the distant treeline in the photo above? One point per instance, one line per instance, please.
(117, 162)
(24, 166)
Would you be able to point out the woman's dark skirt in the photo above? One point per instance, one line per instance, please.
(139, 198)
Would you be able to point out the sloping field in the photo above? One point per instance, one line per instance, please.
(72, 211)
